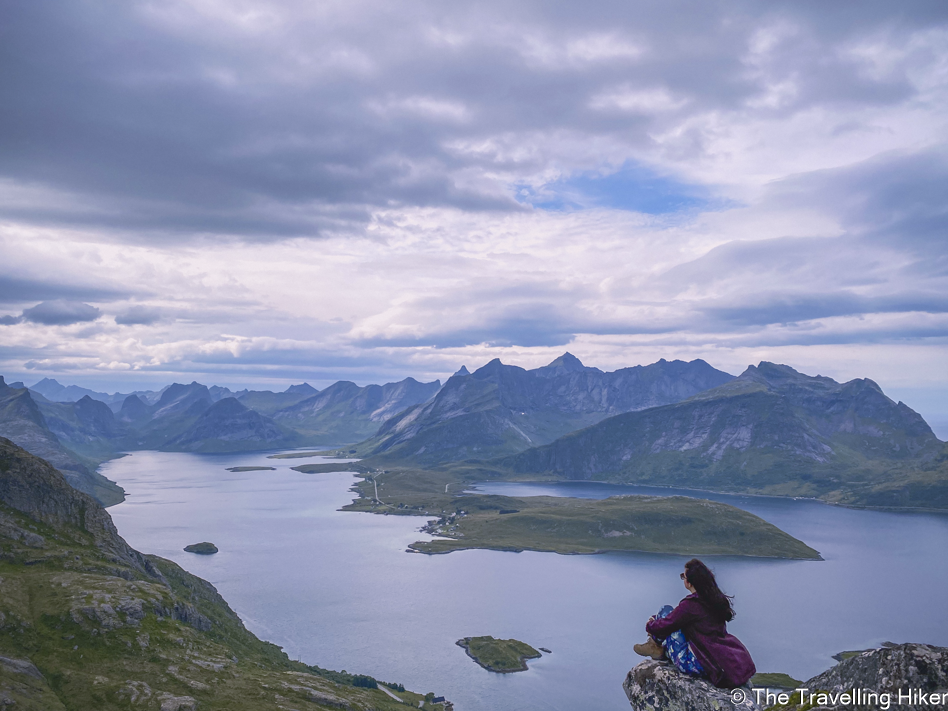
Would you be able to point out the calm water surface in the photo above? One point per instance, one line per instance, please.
(338, 589)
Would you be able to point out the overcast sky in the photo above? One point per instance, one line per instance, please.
(260, 193)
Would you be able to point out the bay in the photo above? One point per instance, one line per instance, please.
(338, 589)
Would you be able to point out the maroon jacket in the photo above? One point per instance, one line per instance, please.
(726, 661)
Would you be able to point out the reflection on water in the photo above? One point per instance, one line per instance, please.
(338, 589)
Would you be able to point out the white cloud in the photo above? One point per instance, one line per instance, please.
(286, 190)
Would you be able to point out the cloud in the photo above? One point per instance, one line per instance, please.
(728, 181)
(16, 290)
(893, 196)
(61, 312)
(289, 121)
(138, 316)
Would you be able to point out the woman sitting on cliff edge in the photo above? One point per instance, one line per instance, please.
(694, 635)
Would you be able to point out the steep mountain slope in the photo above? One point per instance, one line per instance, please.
(501, 409)
(177, 409)
(86, 622)
(22, 421)
(228, 426)
(87, 426)
(344, 412)
(772, 430)
(134, 410)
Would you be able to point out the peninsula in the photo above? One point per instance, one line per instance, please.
(675, 525)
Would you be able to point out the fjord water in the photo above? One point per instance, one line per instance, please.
(338, 589)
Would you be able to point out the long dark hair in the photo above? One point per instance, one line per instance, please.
(702, 580)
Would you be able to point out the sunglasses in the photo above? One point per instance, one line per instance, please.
(682, 576)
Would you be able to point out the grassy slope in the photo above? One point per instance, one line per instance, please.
(104, 635)
(56, 613)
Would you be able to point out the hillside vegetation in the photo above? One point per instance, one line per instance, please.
(89, 623)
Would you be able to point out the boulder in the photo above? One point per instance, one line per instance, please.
(659, 686)
(914, 670)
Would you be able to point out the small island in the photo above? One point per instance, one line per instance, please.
(204, 548)
(503, 656)
(251, 469)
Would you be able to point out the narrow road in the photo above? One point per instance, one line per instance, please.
(386, 690)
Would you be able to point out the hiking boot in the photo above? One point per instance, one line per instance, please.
(650, 649)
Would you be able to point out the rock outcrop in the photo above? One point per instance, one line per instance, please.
(911, 670)
(658, 686)
(910, 677)
(34, 487)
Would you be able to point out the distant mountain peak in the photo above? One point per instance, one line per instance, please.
(301, 389)
(567, 362)
(777, 375)
(49, 381)
(462, 371)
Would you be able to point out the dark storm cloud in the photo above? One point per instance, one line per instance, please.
(61, 313)
(158, 119)
(138, 316)
(17, 290)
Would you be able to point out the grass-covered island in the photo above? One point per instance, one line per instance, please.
(675, 525)
(204, 548)
(251, 469)
(499, 655)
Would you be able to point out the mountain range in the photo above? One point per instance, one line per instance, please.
(344, 412)
(22, 421)
(772, 430)
(502, 409)
(76, 436)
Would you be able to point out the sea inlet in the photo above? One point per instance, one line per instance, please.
(339, 590)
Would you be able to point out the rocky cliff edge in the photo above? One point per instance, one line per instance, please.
(907, 677)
